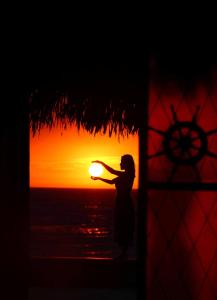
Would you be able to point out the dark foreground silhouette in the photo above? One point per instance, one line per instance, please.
(124, 210)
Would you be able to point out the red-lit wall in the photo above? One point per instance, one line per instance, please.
(182, 225)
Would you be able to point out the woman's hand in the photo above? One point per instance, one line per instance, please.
(94, 177)
(98, 162)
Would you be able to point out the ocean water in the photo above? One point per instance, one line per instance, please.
(181, 235)
(73, 223)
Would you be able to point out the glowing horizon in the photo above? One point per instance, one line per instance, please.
(61, 158)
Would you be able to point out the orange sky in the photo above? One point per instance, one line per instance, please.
(63, 160)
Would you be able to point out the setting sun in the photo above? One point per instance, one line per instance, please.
(95, 169)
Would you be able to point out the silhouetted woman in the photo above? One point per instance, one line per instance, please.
(124, 210)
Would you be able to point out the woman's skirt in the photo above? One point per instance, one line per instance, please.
(124, 222)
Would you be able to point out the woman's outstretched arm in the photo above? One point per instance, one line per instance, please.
(112, 181)
(112, 171)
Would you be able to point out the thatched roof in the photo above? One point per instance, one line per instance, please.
(102, 102)
(102, 90)
(101, 95)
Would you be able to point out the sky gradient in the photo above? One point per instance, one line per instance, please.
(61, 158)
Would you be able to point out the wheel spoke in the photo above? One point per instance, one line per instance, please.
(188, 133)
(211, 131)
(181, 136)
(209, 153)
(175, 147)
(157, 131)
(194, 147)
(189, 153)
(181, 154)
(173, 113)
(195, 138)
(175, 139)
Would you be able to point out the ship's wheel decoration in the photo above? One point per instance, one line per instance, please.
(184, 143)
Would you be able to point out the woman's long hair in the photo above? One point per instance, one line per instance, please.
(129, 164)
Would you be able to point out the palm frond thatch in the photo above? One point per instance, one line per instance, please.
(106, 97)
(98, 105)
